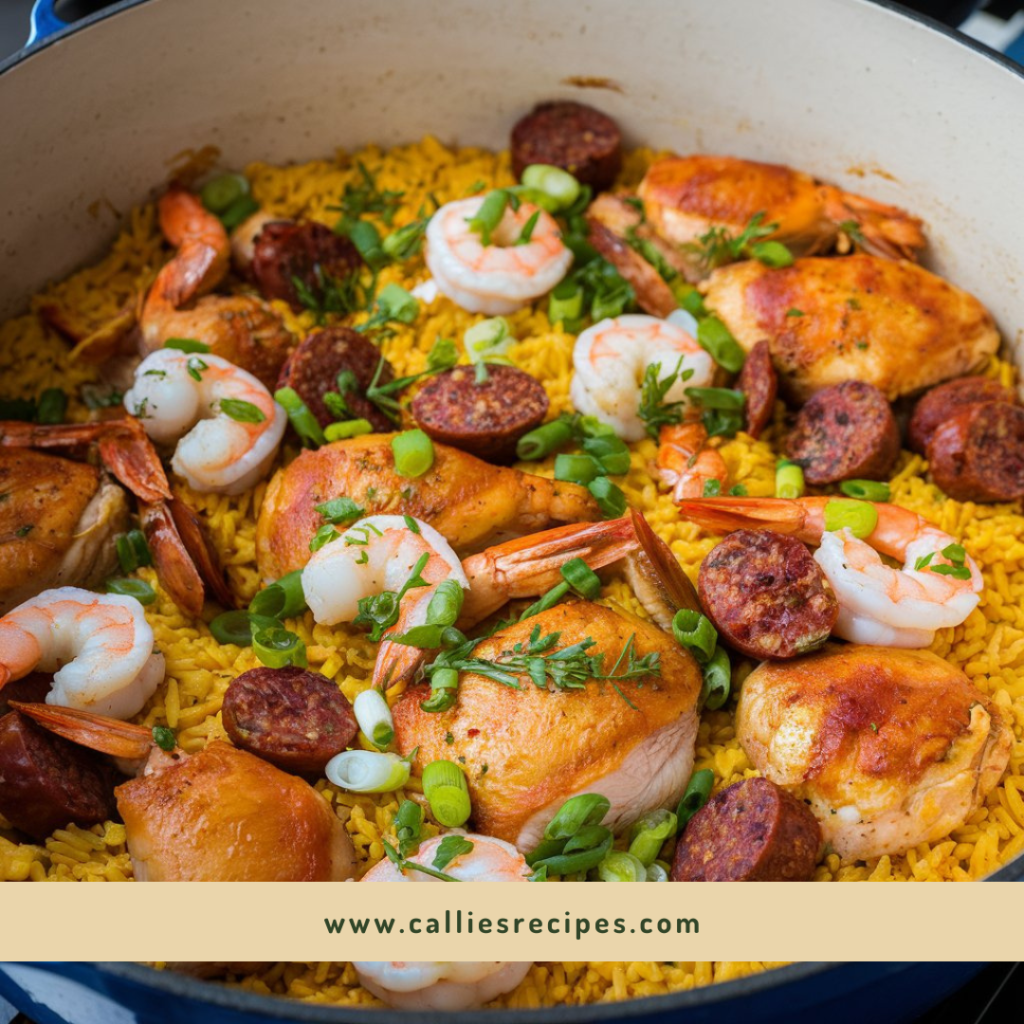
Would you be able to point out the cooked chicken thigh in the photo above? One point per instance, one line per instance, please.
(890, 748)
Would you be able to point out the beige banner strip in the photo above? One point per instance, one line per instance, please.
(506, 921)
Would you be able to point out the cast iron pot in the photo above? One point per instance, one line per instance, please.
(858, 93)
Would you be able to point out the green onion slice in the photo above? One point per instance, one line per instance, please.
(576, 813)
(219, 194)
(698, 790)
(233, 628)
(447, 791)
(366, 771)
(659, 871)
(648, 835)
(444, 686)
(866, 490)
(715, 338)
(304, 423)
(282, 599)
(582, 579)
(577, 469)
(139, 589)
(544, 440)
(186, 345)
(559, 184)
(277, 647)
(52, 406)
(696, 633)
(374, 717)
(859, 517)
(610, 498)
(717, 681)
(241, 209)
(789, 480)
(620, 866)
(414, 453)
(350, 428)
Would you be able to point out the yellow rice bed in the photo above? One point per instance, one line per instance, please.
(989, 646)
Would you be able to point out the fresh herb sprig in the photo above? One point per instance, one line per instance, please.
(380, 611)
(719, 246)
(955, 555)
(654, 410)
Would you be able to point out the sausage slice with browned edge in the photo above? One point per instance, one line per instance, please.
(485, 419)
(753, 831)
(948, 400)
(760, 385)
(845, 432)
(47, 782)
(313, 370)
(573, 136)
(310, 252)
(766, 595)
(293, 718)
(978, 455)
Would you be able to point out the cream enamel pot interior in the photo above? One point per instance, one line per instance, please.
(855, 92)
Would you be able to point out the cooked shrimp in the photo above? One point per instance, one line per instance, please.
(468, 501)
(501, 277)
(240, 328)
(99, 647)
(185, 400)
(526, 567)
(686, 463)
(443, 986)
(889, 748)
(610, 360)
(686, 197)
(490, 860)
(878, 605)
(219, 815)
(377, 553)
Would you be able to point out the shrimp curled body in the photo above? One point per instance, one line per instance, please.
(184, 400)
(611, 358)
(99, 647)
(501, 277)
(377, 553)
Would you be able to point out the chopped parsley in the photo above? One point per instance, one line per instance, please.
(654, 410)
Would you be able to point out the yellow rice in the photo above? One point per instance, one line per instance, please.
(989, 646)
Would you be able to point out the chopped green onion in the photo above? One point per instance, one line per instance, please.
(559, 184)
(350, 428)
(609, 497)
(489, 215)
(698, 789)
(717, 681)
(186, 345)
(414, 453)
(712, 488)
(396, 303)
(648, 835)
(163, 738)
(772, 254)
(577, 469)
(445, 603)
(217, 195)
(659, 871)
(139, 589)
(696, 633)
(691, 300)
(716, 398)
(488, 340)
(374, 717)
(241, 209)
(565, 304)
(232, 628)
(340, 510)
(447, 791)
(789, 480)
(527, 233)
(132, 550)
(366, 238)
(612, 452)
(576, 813)
(283, 599)
(866, 490)
(405, 242)
(582, 579)
(277, 647)
(620, 866)
(585, 850)
(548, 600)
(53, 404)
(540, 443)
(444, 686)
(859, 517)
(303, 422)
(715, 338)
(365, 771)
(242, 411)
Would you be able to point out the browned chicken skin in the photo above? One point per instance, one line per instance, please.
(887, 322)
(57, 523)
(465, 499)
(685, 197)
(526, 751)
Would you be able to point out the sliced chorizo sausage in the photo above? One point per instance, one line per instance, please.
(573, 136)
(949, 400)
(291, 717)
(845, 432)
(753, 831)
(760, 385)
(485, 419)
(978, 455)
(317, 362)
(47, 782)
(310, 252)
(766, 595)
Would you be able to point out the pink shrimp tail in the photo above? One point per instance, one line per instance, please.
(724, 515)
(886, 230)
(106, 735)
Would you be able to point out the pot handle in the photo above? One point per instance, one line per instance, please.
(44, 21)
